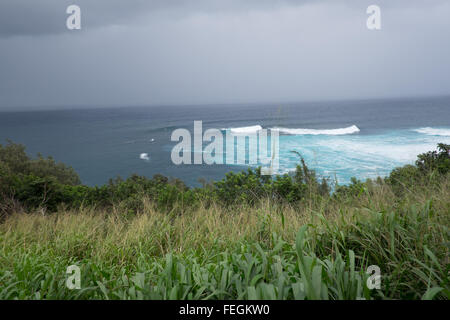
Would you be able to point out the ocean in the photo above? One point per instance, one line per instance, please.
(340, 139)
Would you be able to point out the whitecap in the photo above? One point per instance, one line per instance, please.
(246, 130)
(434, 131)
(332, 132)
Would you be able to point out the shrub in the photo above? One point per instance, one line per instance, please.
(435, 160)
(43, 183)
(15, 161)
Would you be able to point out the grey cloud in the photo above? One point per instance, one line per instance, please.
(27, 17)
(150, 52)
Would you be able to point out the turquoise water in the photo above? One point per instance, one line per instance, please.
(337, 139)
(355, 155)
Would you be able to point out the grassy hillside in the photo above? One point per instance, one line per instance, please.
(245, 237)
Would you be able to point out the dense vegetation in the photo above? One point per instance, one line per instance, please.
(246, 237)
(44, 184)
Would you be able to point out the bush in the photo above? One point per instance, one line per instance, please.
(37, 192)
(435, 160)
(43, 183)
(15, 161)
(430, 167)
(251, 186)
(355, 189)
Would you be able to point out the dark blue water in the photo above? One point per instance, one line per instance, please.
(102, 143)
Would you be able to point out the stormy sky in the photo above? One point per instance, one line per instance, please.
(150, 52)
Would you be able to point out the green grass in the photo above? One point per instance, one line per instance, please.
(319, 249)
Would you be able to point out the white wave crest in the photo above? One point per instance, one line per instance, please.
(434, 131)
(245, 130)
(332, 132)
(144, 156)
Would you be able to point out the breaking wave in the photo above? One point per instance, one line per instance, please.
(434, 131)
(244, 130)
(144, 156)
(332, 132)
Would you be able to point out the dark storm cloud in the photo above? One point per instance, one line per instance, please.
(219, 51)
(27, 17)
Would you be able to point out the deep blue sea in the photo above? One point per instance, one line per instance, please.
(338, 139)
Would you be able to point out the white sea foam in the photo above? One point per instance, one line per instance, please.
(144, 156)
(434, 131)
(341, 155)
(332, 132)
(246, 130)
(367, 150)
